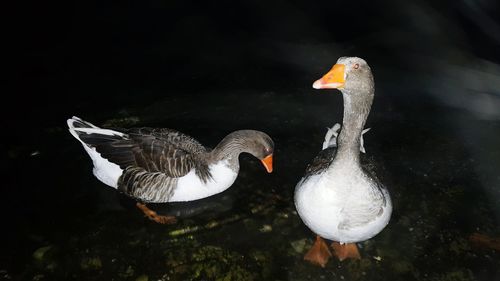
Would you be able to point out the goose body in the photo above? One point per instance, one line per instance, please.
(339, 198)
(342, 203)
(164, 165)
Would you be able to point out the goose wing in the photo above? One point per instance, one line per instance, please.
(363, 210)
(321, 162)
(368, 206)
(154, 150)
(169, 151)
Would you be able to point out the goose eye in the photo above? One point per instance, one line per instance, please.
(356, 66)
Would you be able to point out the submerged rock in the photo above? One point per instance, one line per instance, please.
(212, 263)
(128, 272)
(41, 253)
(457, 275)
(91, 263)
(142, 278)
(299, 245)
(266, 228)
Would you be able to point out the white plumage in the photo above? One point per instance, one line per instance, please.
(190, 187)
(107, 172)
(333, 133)
(323, 199)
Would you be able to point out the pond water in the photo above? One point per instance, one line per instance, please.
(73, 227)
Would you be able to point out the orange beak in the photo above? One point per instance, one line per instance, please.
(268, 163)
(334, 79)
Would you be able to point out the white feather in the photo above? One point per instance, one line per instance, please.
(190, 187)
(331, 136)
(333, 133)
(107, 172)
(362, 142)
(85, 122)
(99, 131)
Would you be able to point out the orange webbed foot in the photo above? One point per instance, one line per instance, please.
(152, 215)
(346, 251)
(319, 253)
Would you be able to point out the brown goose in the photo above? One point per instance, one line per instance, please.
(163, 165)
(338, 198)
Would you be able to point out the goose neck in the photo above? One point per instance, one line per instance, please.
(356, 109)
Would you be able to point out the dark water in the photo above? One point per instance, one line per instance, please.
(435, 136)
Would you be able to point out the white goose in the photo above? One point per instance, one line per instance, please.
(338, 198)
(163, 165)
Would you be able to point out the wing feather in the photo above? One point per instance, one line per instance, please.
(356, 213)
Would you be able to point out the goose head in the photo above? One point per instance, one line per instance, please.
(256, 143)
(353, 77)
(261, 146)
(350, 75)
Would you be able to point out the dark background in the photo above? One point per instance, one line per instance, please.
(205, 68)
(72, 53)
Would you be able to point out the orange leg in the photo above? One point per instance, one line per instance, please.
(319, 253)
(152, 215)
(346, 251)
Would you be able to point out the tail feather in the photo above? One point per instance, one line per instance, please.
(79, 123)
(90, 137)
(78, 127)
